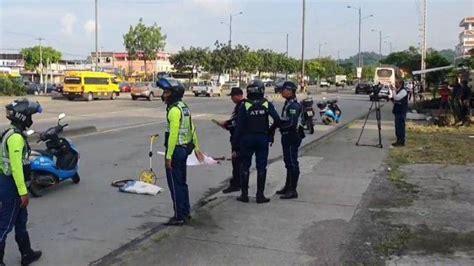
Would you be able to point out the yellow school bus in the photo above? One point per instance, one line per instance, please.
(90, 85)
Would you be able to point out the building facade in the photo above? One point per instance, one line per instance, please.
(466, 38)
(121, 62)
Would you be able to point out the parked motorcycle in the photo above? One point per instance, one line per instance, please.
(329, 111)
(59, 162)
(307, 117)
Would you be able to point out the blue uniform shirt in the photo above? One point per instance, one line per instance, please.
(243, 121)
(290, 116)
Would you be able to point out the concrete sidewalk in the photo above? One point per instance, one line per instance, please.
(310, 230)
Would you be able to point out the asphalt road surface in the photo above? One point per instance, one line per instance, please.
(78, 224)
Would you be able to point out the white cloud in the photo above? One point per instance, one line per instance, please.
(89, 27)
(68, 22)
(214, 6)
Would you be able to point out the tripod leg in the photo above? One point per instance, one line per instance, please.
(365, 122)
(378, 115)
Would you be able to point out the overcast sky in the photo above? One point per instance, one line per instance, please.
(68, 25)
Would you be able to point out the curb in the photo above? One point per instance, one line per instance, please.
(109, 258)
(70, 132)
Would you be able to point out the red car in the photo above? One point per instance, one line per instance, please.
(125, 87)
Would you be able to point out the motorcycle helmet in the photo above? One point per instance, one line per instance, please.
(321, 104)
(289, 85)
(173, 85)
(20, 112)
(256, 89)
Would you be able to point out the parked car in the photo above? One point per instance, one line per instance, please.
(146, 90)
(324, 83)
(278, 86)
(125, 87)
(206, 88)
(363, 88)
(36, 88)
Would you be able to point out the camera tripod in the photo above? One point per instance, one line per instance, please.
(378, 115)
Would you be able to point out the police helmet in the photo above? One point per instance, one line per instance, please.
(289, 85)
(321, 104)
(256, 87)
(20, 112)
(173, 85)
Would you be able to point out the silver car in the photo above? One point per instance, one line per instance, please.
(146, 90)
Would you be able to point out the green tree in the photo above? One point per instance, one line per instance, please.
(436, 59)
(314, 69)
(238, 58)
(192, 59)
(218, 58)
(32, 56)
(252, 62)
(144, 41)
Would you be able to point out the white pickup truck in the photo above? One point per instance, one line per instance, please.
(206, 88)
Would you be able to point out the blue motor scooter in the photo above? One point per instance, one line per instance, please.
(59, 162)
(329, 111)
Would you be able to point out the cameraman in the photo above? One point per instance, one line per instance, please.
(399, 97)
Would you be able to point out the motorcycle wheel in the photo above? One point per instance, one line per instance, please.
(311, 127)
(76, 179)
(34, 188)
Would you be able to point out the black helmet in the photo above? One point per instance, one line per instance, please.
(289, 85)
(321, 104)
(20, 112)
(256, 87)
(173, 85)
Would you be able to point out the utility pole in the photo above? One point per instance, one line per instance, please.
(302, 45)
(46, 77)
(319, 51)
(360, 31)
(41, 60)
(423, 43)
(230, 30)
(96, 38)
(380, 46)
(286, 74)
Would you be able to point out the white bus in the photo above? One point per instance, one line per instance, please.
(386, 75)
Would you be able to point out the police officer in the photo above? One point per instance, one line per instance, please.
(237, 96)
(180, 140)
(253, 135)
(399, 97)
(14, 168)
(290, 139)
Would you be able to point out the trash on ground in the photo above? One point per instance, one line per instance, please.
(139, 187)
(193, 161)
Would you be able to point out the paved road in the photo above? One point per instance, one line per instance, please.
(77, 224)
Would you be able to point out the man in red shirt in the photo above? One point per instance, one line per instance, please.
(445, 93)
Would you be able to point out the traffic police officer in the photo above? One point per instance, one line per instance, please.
(290, 139)
(180, 140)
(237, 96)
(14, 168)
(253, 134)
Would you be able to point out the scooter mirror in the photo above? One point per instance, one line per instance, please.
(61, 116)
(30, 132)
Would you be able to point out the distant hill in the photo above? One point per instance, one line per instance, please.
(368, 59)
(449, 54)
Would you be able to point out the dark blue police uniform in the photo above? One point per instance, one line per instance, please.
(290, 141)
(252, 134)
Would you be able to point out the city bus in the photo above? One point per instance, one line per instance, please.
(386, 75)
(90, 85)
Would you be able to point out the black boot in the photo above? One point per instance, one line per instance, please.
(244, 187)
(2, 253)
(261, 178)
(291, 193)
(28, 255)
(287, 184)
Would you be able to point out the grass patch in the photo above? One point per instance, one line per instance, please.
(396, 244)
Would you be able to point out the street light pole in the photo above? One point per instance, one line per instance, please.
(230, 26)
(286, 74)
(302, 44)
(41, 60)
(96, 38)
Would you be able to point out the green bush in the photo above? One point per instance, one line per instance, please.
(11, 87)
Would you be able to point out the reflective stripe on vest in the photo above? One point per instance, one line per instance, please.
(185, 128)
(248, 105)
(5, 157)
